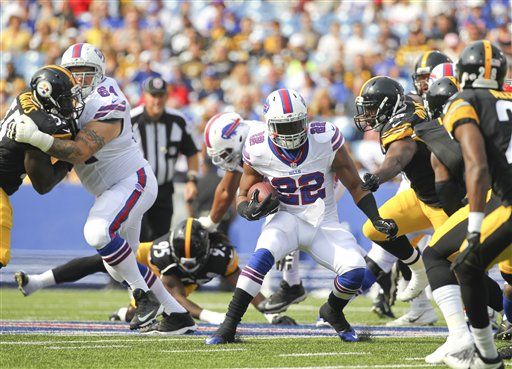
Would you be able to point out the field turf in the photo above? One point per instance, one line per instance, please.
(68, 319)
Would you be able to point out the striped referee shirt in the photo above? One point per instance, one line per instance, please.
(161, 141)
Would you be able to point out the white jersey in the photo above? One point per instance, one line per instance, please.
(119, 158)
(304, 181)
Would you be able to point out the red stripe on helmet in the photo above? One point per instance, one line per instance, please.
(286, 101)
(77, 50)
(207, 129)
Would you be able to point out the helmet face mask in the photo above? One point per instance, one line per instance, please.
(367, 117)
(190, 246)
(286, 117)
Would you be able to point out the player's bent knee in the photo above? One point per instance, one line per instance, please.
(467, 274)
(371, 233)
(96, 233)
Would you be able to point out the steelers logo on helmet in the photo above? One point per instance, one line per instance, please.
(44, 88)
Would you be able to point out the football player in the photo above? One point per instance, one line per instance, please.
(423, 67)
(224, 136)
(383, 106)
(299, 159)
(52, 102)
(111, 167)
(480, 119)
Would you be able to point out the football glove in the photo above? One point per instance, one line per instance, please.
(469, 254)
(23, 129)
(386, 226)
(208, 223)
(254, 210)
(370, 182)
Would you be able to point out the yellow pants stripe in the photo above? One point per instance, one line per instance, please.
(5, 228)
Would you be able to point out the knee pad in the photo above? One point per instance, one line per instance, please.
(96, 233)
(261, 261)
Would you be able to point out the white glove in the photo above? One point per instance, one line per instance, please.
(270, 317)
(208, 223)
(212, 317)
(23, 129)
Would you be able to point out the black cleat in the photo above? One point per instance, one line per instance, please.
(338, 322)
(381, 307)
(505, 352)
(148, 308)
(21, 279)
(172, 324)
(285, 296)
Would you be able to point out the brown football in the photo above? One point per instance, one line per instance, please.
(265, 189)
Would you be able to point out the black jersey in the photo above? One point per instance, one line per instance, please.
(12, 153)
(491, 110)
(223, 260)
(439, 142)
(419, 171)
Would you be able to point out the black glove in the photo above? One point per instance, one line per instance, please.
(370, 182)
(386, 226)
(254, 210)
(283, 320)
(470, 253)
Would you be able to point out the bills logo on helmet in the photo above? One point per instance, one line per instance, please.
(100, 54)
(230, 129)
(266, 106)
(44, 88)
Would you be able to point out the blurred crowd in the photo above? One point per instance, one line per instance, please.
(220, 55)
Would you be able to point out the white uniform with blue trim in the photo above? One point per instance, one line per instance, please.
(118, 175)
(307, 218)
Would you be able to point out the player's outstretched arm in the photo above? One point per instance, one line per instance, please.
(398, 155)
(224, 195)
(42, 173)
(177, 290)
(345, 169)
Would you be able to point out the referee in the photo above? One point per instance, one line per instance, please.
(162, 135)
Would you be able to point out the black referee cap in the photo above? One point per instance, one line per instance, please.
(155, 85)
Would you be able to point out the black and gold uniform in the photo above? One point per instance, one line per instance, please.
(419, 207)
(12, 157)
(222, 261)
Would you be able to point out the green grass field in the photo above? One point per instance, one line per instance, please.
(139, 351)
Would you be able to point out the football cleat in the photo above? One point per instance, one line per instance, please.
(172, 324)
(320, 322)
(338, 322)
(504, 331)
(148, 308)
(285, 296)
(22, 280)
(381, 306)
(221, 339)
(505, 352)
(415, 317)
(470, 358)
(417, 284)
(452, 345)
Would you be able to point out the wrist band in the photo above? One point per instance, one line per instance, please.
(475, 220)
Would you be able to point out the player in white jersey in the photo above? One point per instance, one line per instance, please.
(111, 167)
(300, 160)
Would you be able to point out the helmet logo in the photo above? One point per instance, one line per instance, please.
(230, 129)
(44, 88)
(266, 106)
(100, 54)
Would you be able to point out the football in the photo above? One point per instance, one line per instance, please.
(265, 189)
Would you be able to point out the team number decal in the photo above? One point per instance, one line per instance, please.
(303, 191)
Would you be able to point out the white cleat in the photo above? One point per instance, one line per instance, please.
(415, 317)
(417, 284)
(451, 346)
(469, 358)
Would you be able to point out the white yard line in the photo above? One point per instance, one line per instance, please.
(324, 354)
(81, 347)
(204, 350)
(413, 358)
(379, 366)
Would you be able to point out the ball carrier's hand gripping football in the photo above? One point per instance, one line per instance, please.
(256, 209)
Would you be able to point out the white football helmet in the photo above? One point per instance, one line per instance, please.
(224, 135)
(440, 71)
(85, 55)
(287, 118)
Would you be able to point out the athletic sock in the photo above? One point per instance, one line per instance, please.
(484, 342)
(164, 297)
(449, 300)
(292, 275)
(120, 258)
(38, 281)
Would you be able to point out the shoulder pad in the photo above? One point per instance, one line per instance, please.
(254, 142)
(322, 132)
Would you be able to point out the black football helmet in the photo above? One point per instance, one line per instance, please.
(190, 245)
(424, 65)
(379, 99)
(55, 89)
(438, 94)
(482, 65)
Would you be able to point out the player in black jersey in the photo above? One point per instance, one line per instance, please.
(52, 102)
(424, 65)
(480, 119)
(383, 106)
